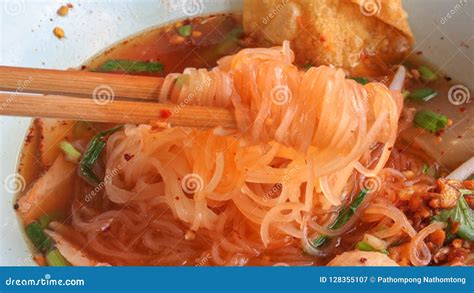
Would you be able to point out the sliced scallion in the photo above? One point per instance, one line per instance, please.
(46, 219)
(81, 128)
(406, 94)
(425, 169)
(229, 41)
(54, 258)
(423, 94)
(361, 80)
(364, 246)
(36, 234)
(185, 30)
(344, 216)
(91, 155)
(427, 74)
(430, 120)
(131, 66)
(70, 151)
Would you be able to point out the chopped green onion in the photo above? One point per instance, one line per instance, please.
(364, 246)
(361, 80)
(40, 240)
(344, 216)
(308, 66)
(229, 41)
(81, 128)
(54, 258)
(182, 80)
(91, 155)
(427, 74)
(70, 151)
(423, 94)
(131, 66)
(425, 169)
(185, 30)
(430, 120)
(228, 45)
(405, 94)
(46, 219)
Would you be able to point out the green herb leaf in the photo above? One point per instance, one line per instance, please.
(229, 41)
(426, 168)
(81, 128)
(462, 214)
(55, 259)
(344, 216)
(92, 154)
(131, 66)
(70, 151)
(361, 80)
(46, 219)
(364, 246)
(427, 74)
(406, 94)
(423, 94)
(36, 234)
(430, 120)
(308, 66)
(185, 30)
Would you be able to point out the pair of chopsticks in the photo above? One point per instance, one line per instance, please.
(98, 97)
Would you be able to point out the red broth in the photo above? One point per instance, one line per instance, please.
(209, 39)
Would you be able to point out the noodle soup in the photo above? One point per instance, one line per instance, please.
(151, 207)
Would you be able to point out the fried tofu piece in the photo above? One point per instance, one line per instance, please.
(357, 35)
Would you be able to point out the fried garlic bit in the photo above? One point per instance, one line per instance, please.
(58, 32)
(63, 10)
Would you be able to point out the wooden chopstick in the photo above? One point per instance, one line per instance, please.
(77, 95)
(77, 83)
(115, 111)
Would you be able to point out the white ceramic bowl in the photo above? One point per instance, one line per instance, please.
(26, 39)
